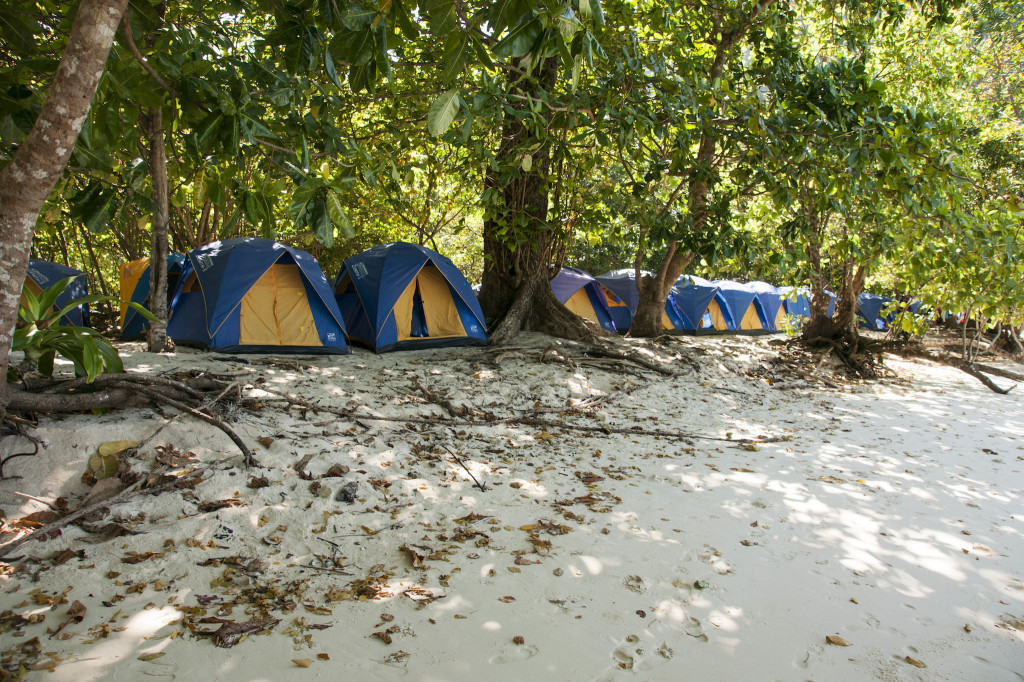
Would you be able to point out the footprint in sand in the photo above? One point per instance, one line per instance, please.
(692, 627)
(709, 554)
(514, 654)
(623, 657)
(804, 661)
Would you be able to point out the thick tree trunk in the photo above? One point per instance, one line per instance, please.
(654, 291)
(37, 165)
(519, 245)
(159, 243)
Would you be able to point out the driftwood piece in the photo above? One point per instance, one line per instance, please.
(127, 493)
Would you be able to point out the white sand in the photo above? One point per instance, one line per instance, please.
(892, 517)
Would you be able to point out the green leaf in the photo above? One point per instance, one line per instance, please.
(520, 40)
(442, 17)
(332, 73)
(442, 112)
(358, 18)
(456, 45)
(337, 214)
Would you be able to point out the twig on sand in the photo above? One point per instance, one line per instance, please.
(250, 460)
(478, 483)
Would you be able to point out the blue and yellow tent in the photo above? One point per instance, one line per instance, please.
(701, 304)
(135, 287)
(579, 292)
(771, 304)
(746, 314)
(255, 295)
(869, 311)
(402, 296)
(796, 304)
(43, 274)
(621, 295)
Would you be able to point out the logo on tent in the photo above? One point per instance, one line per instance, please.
(204, 262)
(359, 270)
(331, 337)
(39, 277)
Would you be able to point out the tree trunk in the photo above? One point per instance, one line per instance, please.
(654, 291)
(519, 245)
(39, 162)
(159, 243)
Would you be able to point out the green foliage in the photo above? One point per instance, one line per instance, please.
(39, 336)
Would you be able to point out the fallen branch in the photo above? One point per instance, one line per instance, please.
(478, 483)
(124, 495)
(250, 460)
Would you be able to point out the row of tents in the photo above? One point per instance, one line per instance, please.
(258, 295)
(694, 305)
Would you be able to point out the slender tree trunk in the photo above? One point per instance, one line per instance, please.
(35, 168)
(159, 242)
(519, 245)
(653, 292)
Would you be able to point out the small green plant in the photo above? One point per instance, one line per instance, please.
(39, 336)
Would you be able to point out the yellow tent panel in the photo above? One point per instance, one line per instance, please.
(439, 311)
(750, 319)
(130, 275)
(717, 318)
(580, 304)
(275, 311)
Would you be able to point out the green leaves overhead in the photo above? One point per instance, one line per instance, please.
(519, 41)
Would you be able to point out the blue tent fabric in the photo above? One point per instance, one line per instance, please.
(135, 325)
(622, 284)
(692, 297)
(570, 280)
(45, 274)
(869, 310)
(771, 300)
(739, 297)
(208, 313)
(377, 277)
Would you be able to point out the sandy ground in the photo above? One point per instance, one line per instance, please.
(888, 516)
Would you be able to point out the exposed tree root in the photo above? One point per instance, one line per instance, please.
(123, 391)
(852, 352)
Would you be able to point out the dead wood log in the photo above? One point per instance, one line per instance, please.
(129, 492)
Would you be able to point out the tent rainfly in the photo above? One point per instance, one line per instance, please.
(135, 287)
(402, 296)
(701, 305)
(771, 304)
(746, 313)
(255, 295)
(579, 292)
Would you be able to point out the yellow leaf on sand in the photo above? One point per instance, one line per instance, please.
(113, 447)
(914, 662)
(303, 662)
(837, 640)
(151, 657)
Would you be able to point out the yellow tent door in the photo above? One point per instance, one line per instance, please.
(780, 318)
(130, 274)
(717, 318)
(440, 314)
(750, 319)
(275, 311)
(579, 303)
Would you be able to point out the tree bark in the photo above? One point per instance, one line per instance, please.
(519, 245)
(159, 241)
(39, 162)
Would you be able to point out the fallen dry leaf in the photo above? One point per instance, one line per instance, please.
(837, 640)
(302, 662)
(265, 441)
(914, 662)
(151, 656)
